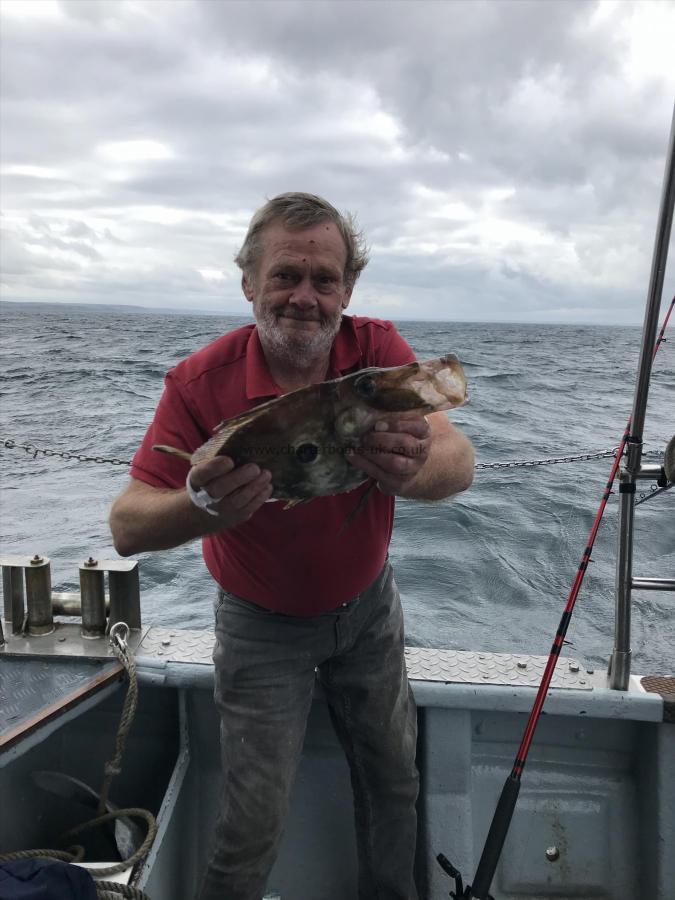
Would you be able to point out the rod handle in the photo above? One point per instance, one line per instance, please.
(496, 837)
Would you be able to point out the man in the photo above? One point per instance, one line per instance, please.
(297, 594)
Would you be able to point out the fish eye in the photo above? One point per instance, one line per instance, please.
(306, 453)
(366, 385)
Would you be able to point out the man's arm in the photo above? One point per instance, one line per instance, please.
(149, 518)
(422, 458)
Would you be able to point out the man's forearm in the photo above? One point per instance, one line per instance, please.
(157, 520)
(448, 470)
(149, 518)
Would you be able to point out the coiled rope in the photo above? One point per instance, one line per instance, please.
(109, 890)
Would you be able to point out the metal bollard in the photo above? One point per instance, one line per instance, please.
(92, 593)
(124, 590)
(125, 595)
(39, 596)
(12, 591)
(124, 601)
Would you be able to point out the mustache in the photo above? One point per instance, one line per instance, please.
(301, 317)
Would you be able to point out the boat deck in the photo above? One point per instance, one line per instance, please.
(599, 786)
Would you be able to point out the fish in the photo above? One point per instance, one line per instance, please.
(304, 437)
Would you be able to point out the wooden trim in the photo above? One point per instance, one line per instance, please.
(25, 727)
(665, 686)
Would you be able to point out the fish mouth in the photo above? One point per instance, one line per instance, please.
(431, 386)
(441, 382)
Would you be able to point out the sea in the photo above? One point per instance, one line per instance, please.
(489, 570)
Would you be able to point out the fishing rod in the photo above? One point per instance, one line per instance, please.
(503, 814)
(509, 795)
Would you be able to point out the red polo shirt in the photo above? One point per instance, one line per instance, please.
(293, 561)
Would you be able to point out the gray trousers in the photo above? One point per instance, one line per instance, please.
(265, 669)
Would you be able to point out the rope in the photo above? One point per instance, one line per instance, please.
(108, 890)
(131, 812)
(61, 855)
(113, 766)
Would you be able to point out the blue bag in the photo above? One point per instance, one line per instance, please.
(45, 879)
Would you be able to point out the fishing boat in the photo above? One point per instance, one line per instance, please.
(102, 698)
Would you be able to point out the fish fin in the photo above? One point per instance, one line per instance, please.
(297, 502)
(174, 451)
(244, 417)
(223, 433)
(214, 444)
(363, 499)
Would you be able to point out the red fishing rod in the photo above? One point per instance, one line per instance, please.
(509, 795)
(503, 814)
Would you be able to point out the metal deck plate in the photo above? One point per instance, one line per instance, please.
(178, 645)
(65, 641)
(469, 667)
(424, 664)
(33, 691)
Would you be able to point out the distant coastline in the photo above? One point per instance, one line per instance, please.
(128, 309)
(119, 308)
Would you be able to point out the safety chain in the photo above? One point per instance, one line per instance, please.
(513, 464)
(64, 454)
(526, 463)
(551, 461)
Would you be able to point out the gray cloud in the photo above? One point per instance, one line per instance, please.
(505, 158)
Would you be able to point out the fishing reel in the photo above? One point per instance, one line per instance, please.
(460, 892)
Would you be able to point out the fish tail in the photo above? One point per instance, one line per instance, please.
(164, 448)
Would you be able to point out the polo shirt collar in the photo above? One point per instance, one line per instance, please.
(259, 381)
(345, 354)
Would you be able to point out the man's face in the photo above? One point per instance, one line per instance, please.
(298, 291)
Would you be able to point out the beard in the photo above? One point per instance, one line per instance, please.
(297, 348)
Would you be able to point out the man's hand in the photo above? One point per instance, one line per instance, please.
(145, 518)
(419, 457)
(394, 452)
(240, 491)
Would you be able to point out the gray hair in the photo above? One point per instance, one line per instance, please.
(299, 210)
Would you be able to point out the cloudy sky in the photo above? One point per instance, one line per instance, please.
(505, 159)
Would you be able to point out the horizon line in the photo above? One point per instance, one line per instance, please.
(175, 310)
